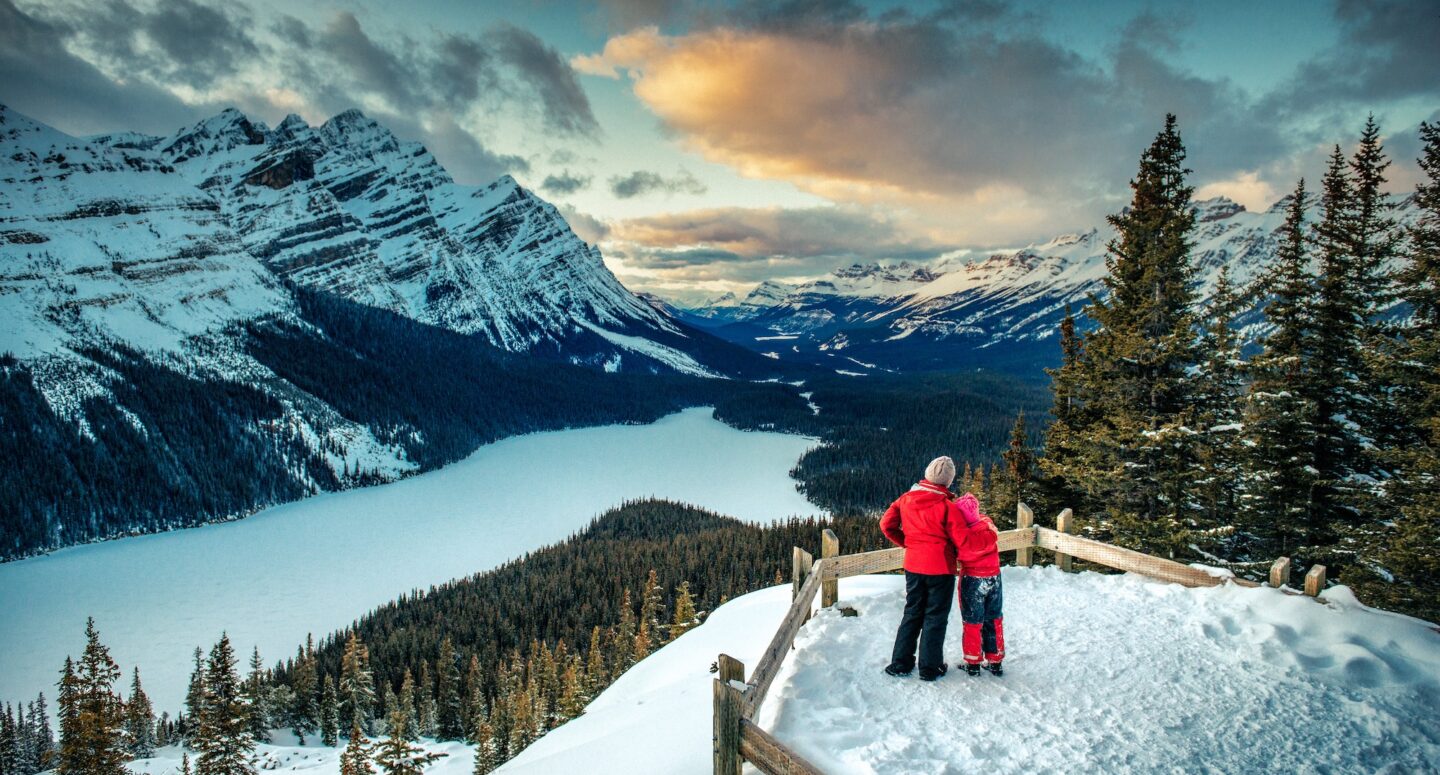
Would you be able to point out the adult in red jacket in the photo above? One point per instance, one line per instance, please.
(981, 598)
(925, 521)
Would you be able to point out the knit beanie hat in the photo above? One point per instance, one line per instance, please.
(941, 471)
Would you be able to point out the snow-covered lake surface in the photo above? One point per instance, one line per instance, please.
(317, 564)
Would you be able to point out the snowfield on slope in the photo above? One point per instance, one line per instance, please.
(1103, 674)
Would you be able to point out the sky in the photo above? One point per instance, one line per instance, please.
(709, 146)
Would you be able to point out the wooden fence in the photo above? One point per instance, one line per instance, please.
(736, 739)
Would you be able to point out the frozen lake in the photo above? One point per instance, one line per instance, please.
(318, 564)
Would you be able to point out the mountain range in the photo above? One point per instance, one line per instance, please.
(230, 316)
(962, 311)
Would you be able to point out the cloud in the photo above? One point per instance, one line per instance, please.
(587, 227)
(40, 77)
(565, 183)
(1386, 50)
(642, 182)
(967, 115)
(124, 64)
(564, 105)
(748, 244)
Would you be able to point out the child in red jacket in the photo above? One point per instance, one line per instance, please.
(980, 596)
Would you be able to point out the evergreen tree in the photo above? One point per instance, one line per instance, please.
(43, 747)
(1400, 566)
(451, 721)
(623, 646)
(92, 717)
(357, 685)
(408, 706)
(1136, 454)
(652, 600)
(1065, 435)
(396, 754)
(9, 742)
(254, 693)
(685, 618)
(222, 739)
(1278, 490)
(426, 711)
(68, 711)
(572, 689)
(329, 714)
(305, 684)
(1219, 386)
(1012, 481)
(1339, 364)
(475, 706)
(486, 759)
(355, 759)
(195, 695)
(185, 763)
(139, 721)
(596, 671)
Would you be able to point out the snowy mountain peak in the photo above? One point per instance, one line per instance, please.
(222, 132)
(1216, 209)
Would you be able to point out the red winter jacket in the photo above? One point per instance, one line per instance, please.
(978, 553)
(925, 521)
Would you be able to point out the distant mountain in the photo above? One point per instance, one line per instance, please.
(998, 311)
(231, 316)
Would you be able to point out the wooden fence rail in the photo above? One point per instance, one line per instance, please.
(736, 738)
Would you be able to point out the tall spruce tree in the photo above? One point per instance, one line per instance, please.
(194, 695)
(396, 754)
(304, 713)
(329, 713)
(451, 711)
(1400, 566)
(1339, 363)
(223, 741)
(92, 738)
(357, 684)
(43, 752)
(255, 694)
(1219, 387)
(139, 721)
(685, 617)
(1135, 458)
(1278, 511)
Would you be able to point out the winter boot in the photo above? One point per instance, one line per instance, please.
(896, 671)
(995, 669)
(972, 669)
(930, 674)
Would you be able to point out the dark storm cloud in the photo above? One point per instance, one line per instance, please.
(1387, 50)
(565, 183)
(125, 53)
(39, 77)
(565, 107)
(642, 182)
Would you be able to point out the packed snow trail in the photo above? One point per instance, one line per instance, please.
(1103, 674)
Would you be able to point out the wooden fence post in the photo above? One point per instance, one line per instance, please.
(1315, 581)
(1024, 518)
(1280, 573)
(829, 588)
(729, 709)
(800, 569)
(1063, 525)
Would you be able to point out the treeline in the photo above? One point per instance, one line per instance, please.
(1322, 446)
(497, 659)
(880, 431)
(171, 449)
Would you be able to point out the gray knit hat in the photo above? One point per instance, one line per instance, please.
(941, 471)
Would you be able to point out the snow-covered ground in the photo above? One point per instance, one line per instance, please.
(315, 565)
(1104, 674)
